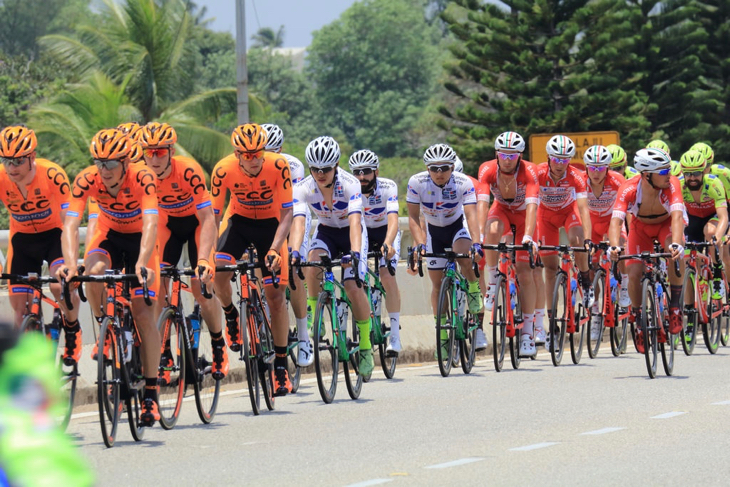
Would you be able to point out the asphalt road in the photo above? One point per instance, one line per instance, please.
(602, 422)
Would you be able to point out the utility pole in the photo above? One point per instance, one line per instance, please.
(241, 69)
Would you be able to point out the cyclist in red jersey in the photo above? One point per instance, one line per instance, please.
(513, 183)
(655, 201)
(125, 238)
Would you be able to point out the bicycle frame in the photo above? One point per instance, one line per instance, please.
(376, 318)
(570, 271)
(609, 290)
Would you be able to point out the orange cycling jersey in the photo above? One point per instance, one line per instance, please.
(47, 195)
(137, 196)
(256, 197)
(183, 192)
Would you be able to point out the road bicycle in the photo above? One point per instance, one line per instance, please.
(606, 311)
(379, 331)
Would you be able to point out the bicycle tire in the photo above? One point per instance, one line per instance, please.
(199, 374)
(171, 392)
(248, 353)
(68, 389)
(580, 319)
(353, 379)
(688, 336)
(444, 311)
(109, 376)
(467, 346)
(135, 383)
(649, 326)
(666, 348)
(295, 372)
(712, 329)
(387, 362)
(619, 333)
(325, 348)
(266, 357)
(599, 284)
(558, 319)
(725, 322)
(499, 323)
(515, 341)
(32, 322)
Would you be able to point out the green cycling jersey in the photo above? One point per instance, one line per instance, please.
(723, 173)
(630, 172)
(712, 196)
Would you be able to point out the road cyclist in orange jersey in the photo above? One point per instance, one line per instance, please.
(186, 217)
(259, 213)
(125, 238)
(512, 181)
(655, 201)
(36, 193)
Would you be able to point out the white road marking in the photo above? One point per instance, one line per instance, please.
(603, 431)
(536, 446)
(721, 403)
(669, 415)
(456, 463)
(370, 482)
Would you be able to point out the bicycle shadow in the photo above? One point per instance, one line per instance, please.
(143, 443)
(658, 377)
(214, 425)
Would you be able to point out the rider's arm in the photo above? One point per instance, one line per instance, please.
(677, 211)
(585, 216)
(392, 207)
(414, 224)
(284, 199)
(530, 219)
(285, 223)
(149, 219)
(721, 228)
(298, 226)
(296, 235)
(70, 242)
(532, 199)
(472, 223)
(482, 207)
(218, 190)
(208, 233)
(355, 231)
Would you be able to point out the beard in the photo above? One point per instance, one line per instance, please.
(693, 185)
(367, 188)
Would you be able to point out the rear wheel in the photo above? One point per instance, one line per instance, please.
(135, 386)
(713, 329)
(620, 331)
(558, 319)
(171, 375)
(499, 323)
(688, 336)
(108, 383)
(445, 328)
(598, 317)
(649, 323)
(326, 362)
(295, 372)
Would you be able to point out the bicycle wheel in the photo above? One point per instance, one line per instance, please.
(649, 314)
(558, 319)
(725, 322)
(598, 318)
(326, 361)
(353, 380)
(516, 339)
(444, 328)
(199, 373)
(581, 320)
(619, 333)
(467, 346)
(295, 372)
(108, 383)
(499, 323)
(666, 347)
(247, 329)
(712, 329)
(171, 378)
(387, 363)
(31, 322)
(266, 361)
(688, 336)
(135, 384)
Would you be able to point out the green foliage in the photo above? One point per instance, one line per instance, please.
(267, 37)
(400, 169)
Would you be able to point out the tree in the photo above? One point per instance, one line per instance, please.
(374, 70)
(266, 37)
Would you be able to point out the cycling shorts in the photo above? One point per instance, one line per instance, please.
(238, 233)
(376, 236)
(336, 242)
(509, 218)
(26, 253)
(642, 236)
(599, 230)
(551, 222)
(122, 252)
(171, 238)
(695, 229)
(442, 238)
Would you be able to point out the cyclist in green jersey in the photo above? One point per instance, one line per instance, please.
(619, 162)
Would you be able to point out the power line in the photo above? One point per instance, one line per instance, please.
(256, 13)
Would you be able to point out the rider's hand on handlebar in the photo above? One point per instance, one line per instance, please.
(67, 272)
(295, 258)
(208, 271)
(477, 250)
(273, 260)
(677, 251)
(527, 240)
(347, 259)
(150, 275)
(389, 253)
(614, 252)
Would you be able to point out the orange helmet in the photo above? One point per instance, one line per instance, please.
(17, 141)
(156, 134)
(135, 152)
(110, 144)
(132, 129)
(249, 137)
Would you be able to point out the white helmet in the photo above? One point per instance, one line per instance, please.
(511, 141)
(597, 155)
(651, 160)
(363, 159)
(323, 151)
(439, 153)
(458, 165)
(274, 137)
(560, 146)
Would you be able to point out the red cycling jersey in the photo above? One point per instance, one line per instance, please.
(601, 207)
(560, 196)
(629, 198)
(526, 185)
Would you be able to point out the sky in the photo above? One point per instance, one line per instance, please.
(299, 17)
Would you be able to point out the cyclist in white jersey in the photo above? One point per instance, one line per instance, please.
(298, 293)
(380, 209)
(334, 196)
(444, 197)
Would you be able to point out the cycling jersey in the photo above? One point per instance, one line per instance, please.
(526, 191)
(712, 196)
(346, 199)
(183, 192)
(48, 194)
(561, 195)
(629, 198)
(255, 197)
(296, 167)
(441, 206)
(601, 207)
(380, 203)
(723, 173)
(630, 172)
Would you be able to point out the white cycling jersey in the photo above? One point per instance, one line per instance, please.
(295, 167)
(380, 203)
(346, 199)
(441, 206)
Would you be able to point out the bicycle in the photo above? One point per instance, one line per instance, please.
(379, 331)
(609, 313)
(654, 309)
(120, 376)
(33, 322)
(456, 327)
(331, 343)
(292, 349)
(257, 351)
(568, 312)
(183, 361)
(697, 279)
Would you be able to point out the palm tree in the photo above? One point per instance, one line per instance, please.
(266, 37)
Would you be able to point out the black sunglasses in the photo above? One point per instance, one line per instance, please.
(321, 170)
(363, 172)
(443, 168)
(14, 161)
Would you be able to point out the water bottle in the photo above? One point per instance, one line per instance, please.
(376, 298)
(54, 329)
(461, 301)
(129, 341)
(193, 320)
(513, 295)
(614, 286)
(659, 296)
(573, 289)
(342, 314)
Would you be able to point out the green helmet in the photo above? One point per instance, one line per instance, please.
(693, 160)
(658, 144)
(676, 169)
(706, 151)
(618, 156)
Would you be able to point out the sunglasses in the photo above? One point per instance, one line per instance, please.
(693, 174)
(443, 168)
(559, 160)
(162, 152)
(249, 155)
(597, 168)
(363, 172)
(509, 156)
(321, 170)
(107, 164)
(14, 161)
(663, 172)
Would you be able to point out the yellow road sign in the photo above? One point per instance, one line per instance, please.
(582, 140)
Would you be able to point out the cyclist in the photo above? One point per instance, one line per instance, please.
(259, 213)
(513, 183)
(719, 170)
(297, 293)
(125, 238)
(380, 212)
(655, 201)
(619, 162)
(447, 199)
(563, 204)
(602, 187)
(661, 145)
(186, 217)
(706, 202)
(36, 193)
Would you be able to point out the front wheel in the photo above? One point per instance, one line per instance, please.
(580, 323)
(326, 361)
(666, 347)
(467, 346)
(499, 323)
(247, 330)
(688, 336)
(649, 323)
(108, 382)
(295, 372)
(266, 359)
(353, 379)
(445, 328)
(171, 375)
(598, 316)
(558, 319)
(199, 373)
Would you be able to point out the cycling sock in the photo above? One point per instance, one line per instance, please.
(231, 312)
(72, 326)
(474, 287)
(676, 296)
(150, 388)
(539, 316)
(625, 280)
(364, 328)
(395, 324)
(280, 357)
(311, 306)
(480, 321)
(491, 273)
(528, 328)
(302, 329)
(215, 336)
(228, 309)
(585, 277)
